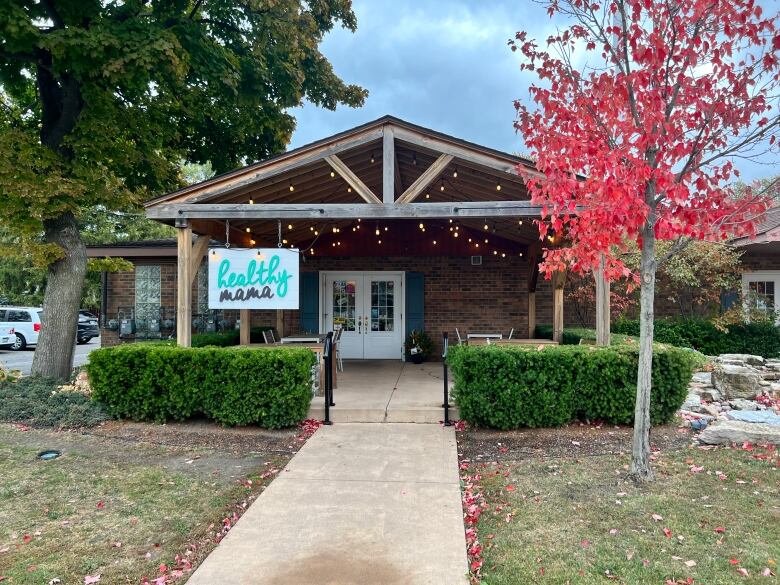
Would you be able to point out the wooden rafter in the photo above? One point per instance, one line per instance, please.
(422, 182)
(352, 179)
(199, 249)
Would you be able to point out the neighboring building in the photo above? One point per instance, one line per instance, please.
(761, 260)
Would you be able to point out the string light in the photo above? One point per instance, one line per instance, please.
(338, 243)
(292, 187)
(289, 226)
(377, 232)
(422, 226)
(477, 244)
(521, 254)
(354, 229)
(427, 195)
(498, 185)
(455, 234)
(520, 222)
(379, 241)
(452, 229)
(441, 186)
(251, 201)
(503, 254)
(455, 173)
(372, 157)
(414, 158)
(311, 251)
(349, 189)
(386, 228)
(434, 242)
(486, 226)
(469, 240)
(316, 232)
(332, 174)
(486, 240)
(335, 229)
(450, 220)
(334, 244)
(252, 242)
(311, 228)
(495, 252)
(359, 220)
(284, 241)
(248, 230)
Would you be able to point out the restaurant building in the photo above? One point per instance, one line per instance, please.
(397, 228)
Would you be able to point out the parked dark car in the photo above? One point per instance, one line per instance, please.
(87, 328)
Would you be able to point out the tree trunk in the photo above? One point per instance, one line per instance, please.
(640, 455)
(54, 353)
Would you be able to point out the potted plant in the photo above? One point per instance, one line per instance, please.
(418, 346)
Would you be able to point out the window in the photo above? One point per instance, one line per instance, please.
(15, 316)
(147, 296)
(759, 289)
(762, 294)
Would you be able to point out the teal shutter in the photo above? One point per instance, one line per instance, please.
(415, 302)
(309, 301)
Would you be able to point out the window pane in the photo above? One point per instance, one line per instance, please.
(344, 304)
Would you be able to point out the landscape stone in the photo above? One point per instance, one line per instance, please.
(742, 404)
(703, 378)
(736, 381)
(745, 358)
(710, 395)
(734, 431)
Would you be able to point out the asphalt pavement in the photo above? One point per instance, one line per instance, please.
(22, 360)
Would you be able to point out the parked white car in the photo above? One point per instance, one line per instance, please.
(26, 323)
(7, 338)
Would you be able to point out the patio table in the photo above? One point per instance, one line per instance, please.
(484, 336)
(301, 338)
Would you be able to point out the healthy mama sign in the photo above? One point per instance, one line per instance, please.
(264, 278)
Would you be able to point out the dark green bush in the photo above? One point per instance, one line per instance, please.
(234, 386)
(761, 338)
(507, 387)
(227, 338)
(36, 401)
(573, 335)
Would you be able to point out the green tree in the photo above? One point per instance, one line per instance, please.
(101, 100)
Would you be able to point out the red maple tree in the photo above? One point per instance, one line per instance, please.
(641, 108)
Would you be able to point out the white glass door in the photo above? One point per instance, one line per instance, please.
(367, 308)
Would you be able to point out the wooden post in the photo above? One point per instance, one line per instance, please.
(388, 166)
(244, 326)
(184, 284)
(531, 314)
(533, 277)
(558, 280)
(602, 304)
(280, 322)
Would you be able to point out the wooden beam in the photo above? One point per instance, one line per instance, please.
(388, 166)
(256, 173)
(426, 178)
(352, 179)
(534, 251)
(398, 183)
(531, 314)
(602, 304)
(495, 162)
(199, 250)
(184, 285)
(280, 322)
(333, 211)
(558, 282)
(244, 326)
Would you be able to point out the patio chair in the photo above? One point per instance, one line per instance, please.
(268, 337)
(337, 347)
(511, 332)
(460, 339)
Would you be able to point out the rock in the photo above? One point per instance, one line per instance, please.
(742, 404)
(766, 417)
(710, 395)
(736, 381)
(733, 431)
(692, 403)
(710, 409)
(775, 388)
(745, 358)
(773, 364)
(703, 378)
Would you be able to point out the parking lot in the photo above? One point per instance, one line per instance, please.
(22, 360)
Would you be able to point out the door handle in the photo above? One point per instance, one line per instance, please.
(359, 323)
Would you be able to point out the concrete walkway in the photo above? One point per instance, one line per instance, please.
(359, 504)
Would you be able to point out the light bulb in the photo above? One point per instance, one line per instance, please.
(379, 241)
(251, 201)
(441, 187)
(335, 229)
(452, 229)
(386, 228)
(422, 226)
(521, 254)
(338, 243)
(248, 230)
(377, 231)
(334, 244)
(495, 252)
(487, 227)
(477, 244)
(289, 226)
(469, 240)
(427, 195)
(252, 242)
(372, 157)
(498, 185)
(292, 187)
(520, 222)
(284, 241)
(455, 173)
(311, 251)
(316, 232)
(423, 229)
(503, 254)
(354, 229)
(349, 189)
(455, 234)
(332, 174)
(359, 220)
(434, 242)
(450, 220)
(486, 240)
(311, 228)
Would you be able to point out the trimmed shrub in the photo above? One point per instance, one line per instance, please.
(234, 386)
(507, 387)
(37, 401)
(227, 338)
(573, 335)
(762, 338)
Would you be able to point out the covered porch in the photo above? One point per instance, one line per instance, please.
(450, 219)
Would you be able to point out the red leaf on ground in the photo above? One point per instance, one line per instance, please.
(585, 543)
(667, 533)
(510, 488)
(742, 571)
(720, 529)
(734, 561)
(101, 504)
(26, 538)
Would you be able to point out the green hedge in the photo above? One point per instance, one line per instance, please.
(227, 338)
(754, 338)
(233, 386)
(573, 335)
(507, 387)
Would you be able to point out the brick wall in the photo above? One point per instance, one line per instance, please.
(490, 297)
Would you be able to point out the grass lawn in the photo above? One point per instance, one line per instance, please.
(126, 498)
(566, 514)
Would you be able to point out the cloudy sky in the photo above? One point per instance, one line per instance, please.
(443, 64)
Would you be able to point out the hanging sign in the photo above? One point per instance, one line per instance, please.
(263, 278)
